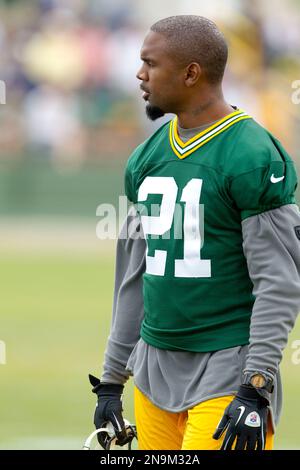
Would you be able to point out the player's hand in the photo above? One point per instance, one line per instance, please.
(245, 418)
(109, 408)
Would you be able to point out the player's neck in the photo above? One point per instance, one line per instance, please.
(209, 109)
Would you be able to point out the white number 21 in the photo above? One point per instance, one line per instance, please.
(191, 265)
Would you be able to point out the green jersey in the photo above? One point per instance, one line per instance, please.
(192, 198)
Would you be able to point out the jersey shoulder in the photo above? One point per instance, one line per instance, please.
(251, 147)
(262, 174)
(142, 152)
(139, 158)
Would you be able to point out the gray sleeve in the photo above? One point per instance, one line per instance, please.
(272, 250)
(128, 307)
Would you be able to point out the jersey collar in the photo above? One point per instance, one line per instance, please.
(184, 149)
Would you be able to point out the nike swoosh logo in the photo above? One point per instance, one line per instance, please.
(242, 408)
(226, 443)
(273, 178)
(118, 424)
(262, 436)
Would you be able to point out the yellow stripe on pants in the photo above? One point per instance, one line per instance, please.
(188, 430)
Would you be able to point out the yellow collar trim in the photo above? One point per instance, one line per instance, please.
(183, 149)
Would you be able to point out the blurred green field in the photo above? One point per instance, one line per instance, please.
(55, 318)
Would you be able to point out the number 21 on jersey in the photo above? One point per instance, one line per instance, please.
(191, 265)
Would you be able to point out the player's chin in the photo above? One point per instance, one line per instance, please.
(154, 112)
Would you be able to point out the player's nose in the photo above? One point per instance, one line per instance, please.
(142, 74)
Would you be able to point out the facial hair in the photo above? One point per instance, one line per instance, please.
(154, 112)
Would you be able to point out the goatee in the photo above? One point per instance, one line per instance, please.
(154, 112)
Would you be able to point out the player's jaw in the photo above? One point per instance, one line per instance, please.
(153, 111)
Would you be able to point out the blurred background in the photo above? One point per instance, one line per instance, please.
(73, 115)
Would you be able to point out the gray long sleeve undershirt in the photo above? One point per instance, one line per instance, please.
(128, 310)
(272, 251)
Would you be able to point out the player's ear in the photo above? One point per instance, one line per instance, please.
(192, 74)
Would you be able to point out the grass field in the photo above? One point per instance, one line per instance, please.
(55, 317)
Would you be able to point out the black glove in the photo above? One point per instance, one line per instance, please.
(109, 408)
(245, 418)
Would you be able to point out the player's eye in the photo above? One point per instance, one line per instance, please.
(148, 62)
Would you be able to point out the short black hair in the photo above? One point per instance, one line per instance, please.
(193, 38)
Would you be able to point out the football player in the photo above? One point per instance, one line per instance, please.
(207, 283)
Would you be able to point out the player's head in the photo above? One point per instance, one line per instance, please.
(181, 56)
